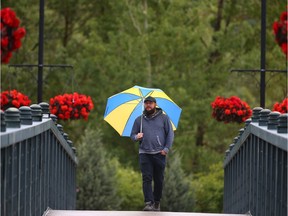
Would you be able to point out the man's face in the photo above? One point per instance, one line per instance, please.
(149, 105)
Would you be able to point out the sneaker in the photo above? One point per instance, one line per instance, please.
(156, 206)
(148, 206)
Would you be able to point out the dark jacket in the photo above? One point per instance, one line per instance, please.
(157, 132)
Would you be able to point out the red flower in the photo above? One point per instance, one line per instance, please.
(15, 103)
(17, 44)
(281, 107)
(4, 42)
(71, 106)
(13, 98)
(19, 33)
(11, 34)
(227, 112)
(280, 32)
(284, 47)
(283, 16)
(5, 58)
(230, 109)
(239, 112)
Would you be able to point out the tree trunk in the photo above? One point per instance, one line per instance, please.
(201, 129)
(146, 41)
(217, 25)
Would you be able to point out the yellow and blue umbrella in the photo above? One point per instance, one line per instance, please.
(123, 108)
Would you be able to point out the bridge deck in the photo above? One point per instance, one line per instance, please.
(127, 213)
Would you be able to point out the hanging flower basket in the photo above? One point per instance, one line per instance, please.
(11, 34)
(71, 106)
(280, 32)
(13, 98)
(230, 109)
(281, 107)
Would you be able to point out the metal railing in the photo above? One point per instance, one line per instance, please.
(255, 170)
(38, 170)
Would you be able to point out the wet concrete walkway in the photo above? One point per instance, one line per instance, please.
(128, 213)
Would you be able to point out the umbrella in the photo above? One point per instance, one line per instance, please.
(123, 108)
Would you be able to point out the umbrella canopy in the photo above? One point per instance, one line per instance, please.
(123, 108)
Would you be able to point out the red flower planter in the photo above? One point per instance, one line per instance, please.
(230, 109)
(71, 106)
(11, 34)
(13, 98)
(281, 107)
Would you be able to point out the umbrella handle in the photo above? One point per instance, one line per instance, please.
(141, 124)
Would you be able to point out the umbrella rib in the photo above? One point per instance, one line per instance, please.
(142, 96)
(130, 95)
(130, 116)
(140, 93)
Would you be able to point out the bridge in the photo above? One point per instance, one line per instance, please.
(38, 167)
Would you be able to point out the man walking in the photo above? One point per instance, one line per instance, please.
(154, 132)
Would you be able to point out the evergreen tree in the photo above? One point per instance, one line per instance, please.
(177, 193)
(96, 176)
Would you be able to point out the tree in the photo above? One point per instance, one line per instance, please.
(208, 187)
(96, 176)
(177, 193)
(129, 188)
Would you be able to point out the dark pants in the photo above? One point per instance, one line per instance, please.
(152, 168)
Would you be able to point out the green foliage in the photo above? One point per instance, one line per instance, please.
(129, 185)
(96, 177)
(208, 187)
(177, 193)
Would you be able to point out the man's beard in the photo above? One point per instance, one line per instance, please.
(150, 112)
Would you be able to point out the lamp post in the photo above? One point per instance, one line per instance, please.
(263, 54)
(40, 51)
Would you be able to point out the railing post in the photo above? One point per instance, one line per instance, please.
(256, 114)
(54, 118)
(12, 116)
(36, 113)
(26, 115)
(273, 120)
(263, 117)
(282, 123)
(45, 109)
(3, 123)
